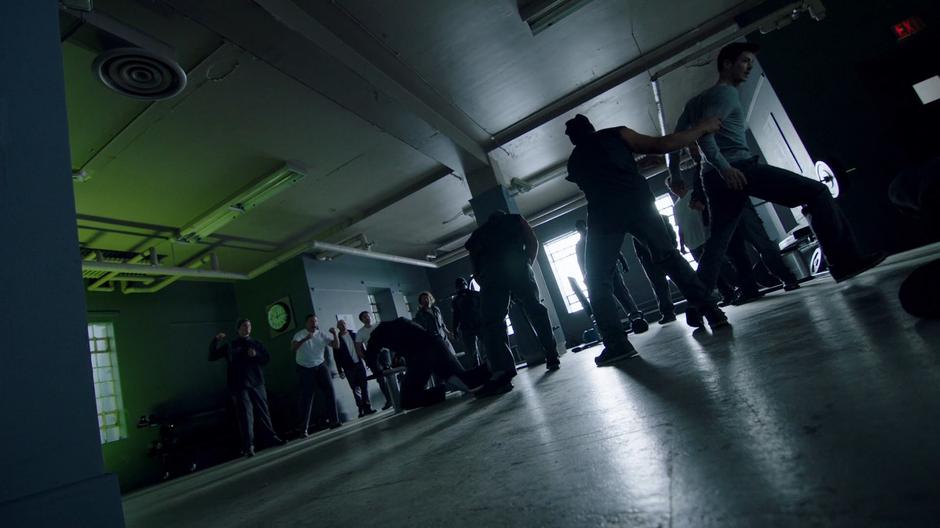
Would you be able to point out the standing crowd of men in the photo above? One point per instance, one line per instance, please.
(716, 223)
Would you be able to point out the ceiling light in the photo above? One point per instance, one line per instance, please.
(241, 202)
(542, 14)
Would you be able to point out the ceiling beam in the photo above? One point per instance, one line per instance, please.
(644, 62)
(288, 39)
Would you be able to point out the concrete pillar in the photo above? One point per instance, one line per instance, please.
(50, 455)
(491, 196)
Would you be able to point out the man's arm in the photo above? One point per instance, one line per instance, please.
(721, 104)
(531, 241)
(294, 345)
(337, 362)
(643, 144)
(334, 344)
(360, 350)
(216, 351)
(623, 261)
(455, 311)
(262, 356)
(675, 158)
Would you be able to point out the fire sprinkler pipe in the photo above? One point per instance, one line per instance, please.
(346, 250)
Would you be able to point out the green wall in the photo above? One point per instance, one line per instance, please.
(162, 341)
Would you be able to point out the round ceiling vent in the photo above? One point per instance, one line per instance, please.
(141, 74)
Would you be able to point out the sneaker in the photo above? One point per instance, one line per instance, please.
(693, 317)
(844, 273)
(387, 406)
(639, 325)
(553, 363)
(668, 318)
(609, 356)
(249, 452)
(716, 318)
(368, 411)
(790, 286)
(276, 441)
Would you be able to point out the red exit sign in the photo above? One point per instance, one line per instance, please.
(908, 27)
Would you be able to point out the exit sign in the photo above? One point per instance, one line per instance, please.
(908, 27)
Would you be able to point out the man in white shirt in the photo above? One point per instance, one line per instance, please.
(371, 356)
(309, 347)
(351, 366)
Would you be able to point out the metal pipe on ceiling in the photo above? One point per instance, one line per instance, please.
(170, 271)
(346, 250)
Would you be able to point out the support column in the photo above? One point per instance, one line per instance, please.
(50, 455)
(489, 195)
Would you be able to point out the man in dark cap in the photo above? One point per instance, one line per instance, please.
(619, 200)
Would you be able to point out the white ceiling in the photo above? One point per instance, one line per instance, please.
(387, 104)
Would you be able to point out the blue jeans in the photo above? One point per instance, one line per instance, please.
(777, 186)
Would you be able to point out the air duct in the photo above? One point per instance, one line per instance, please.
(133, 63)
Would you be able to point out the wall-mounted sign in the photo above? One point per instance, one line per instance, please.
(908, 27)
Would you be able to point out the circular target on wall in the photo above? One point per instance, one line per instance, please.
(827, 177)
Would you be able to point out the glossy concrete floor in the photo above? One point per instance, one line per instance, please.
(819, 408)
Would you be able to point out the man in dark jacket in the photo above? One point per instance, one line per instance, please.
(502, 251)
(424, 354)
(603, 165)
(352, 366)
(468, 322)
(245, 357)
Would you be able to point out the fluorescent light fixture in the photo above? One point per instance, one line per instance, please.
(241, 202)
(928, 90)
(542, 14)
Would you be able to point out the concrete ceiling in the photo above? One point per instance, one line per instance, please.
(386, 104)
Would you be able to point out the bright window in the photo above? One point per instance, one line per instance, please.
(374, 308)
(564, 263)
(104, 369)
(665, 207)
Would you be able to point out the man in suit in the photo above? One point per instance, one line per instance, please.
(352, 366)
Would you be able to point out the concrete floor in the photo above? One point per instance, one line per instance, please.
(819, 408)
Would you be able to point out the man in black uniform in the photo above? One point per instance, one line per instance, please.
(467, 320)
(424, 354)
(637, 323)
(620, 202)
(245, 356)
(502, 251)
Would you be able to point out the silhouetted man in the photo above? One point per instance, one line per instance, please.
(371, 354)
(734, 175)
(245, 357)
(502, 251)
(656, 276)
(468, 320)
(620, 202)
(424, 354)
(309, 346)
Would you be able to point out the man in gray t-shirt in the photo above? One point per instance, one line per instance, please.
(735, 174)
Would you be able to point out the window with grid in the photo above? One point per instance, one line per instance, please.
(104, 368)
(374, 308)
(665, 207)
(564, 263)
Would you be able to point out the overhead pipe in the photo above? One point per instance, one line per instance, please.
(162, 271)
(346, 250)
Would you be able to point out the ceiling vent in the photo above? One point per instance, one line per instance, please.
(139, 73)
(131, 62)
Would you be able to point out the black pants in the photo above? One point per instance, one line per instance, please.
(605, 236)
(726, 277)
(471, 347)
(777, 186)
(750, 232)
(432, 357)
(315, 382)
(356, 377)
(499, 283)
(251, 404)
(656, 277)
(372, 361)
